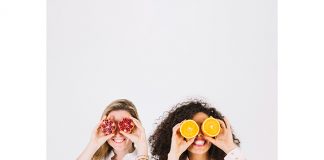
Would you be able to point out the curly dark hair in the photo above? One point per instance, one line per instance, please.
(160, 141)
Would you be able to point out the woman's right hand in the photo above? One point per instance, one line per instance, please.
(98, 138)
(178, 143)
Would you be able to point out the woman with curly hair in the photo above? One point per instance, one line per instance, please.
(168, 144)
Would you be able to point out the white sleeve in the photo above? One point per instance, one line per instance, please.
(235, 154)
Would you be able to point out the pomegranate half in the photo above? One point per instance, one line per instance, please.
(127, 125)
(108, 126)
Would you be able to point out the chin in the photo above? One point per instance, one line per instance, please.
(200, 146)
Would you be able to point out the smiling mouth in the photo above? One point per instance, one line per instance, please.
(199, 142)
(118, 140)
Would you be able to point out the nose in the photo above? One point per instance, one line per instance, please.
(200, 134)
(117, 133)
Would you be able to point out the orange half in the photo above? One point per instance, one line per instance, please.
(211, 127)
(189, 129)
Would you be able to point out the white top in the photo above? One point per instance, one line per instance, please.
(235, 154)
(129, 156)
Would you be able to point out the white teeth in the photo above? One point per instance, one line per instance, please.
(199, 142)
(118, 140)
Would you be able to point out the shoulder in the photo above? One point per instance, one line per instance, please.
(235, 154)
(131, 156)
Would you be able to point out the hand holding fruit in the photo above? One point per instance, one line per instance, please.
(224, 140)
(178, 143)
(102, 132)
(136, 135)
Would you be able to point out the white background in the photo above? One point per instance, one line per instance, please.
(156, 54)
(23, 77)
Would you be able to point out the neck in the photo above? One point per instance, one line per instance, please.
(204, 156)
(119, 154)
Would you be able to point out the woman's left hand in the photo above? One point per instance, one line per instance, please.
(224, 140)
(138, 137)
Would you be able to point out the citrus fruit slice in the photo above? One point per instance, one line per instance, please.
(189, 129)
(211, 127)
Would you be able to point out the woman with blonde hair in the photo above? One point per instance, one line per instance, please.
(116, 143)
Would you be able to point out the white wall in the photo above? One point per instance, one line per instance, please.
(156, 54)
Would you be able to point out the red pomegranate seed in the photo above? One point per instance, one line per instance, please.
(108, 126)
(126, 125)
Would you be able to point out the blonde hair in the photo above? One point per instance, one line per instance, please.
(119, 104)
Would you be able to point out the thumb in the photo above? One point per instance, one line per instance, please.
(210, 139)
(129, 136)
(109, 136)
(188, 143)
(104, 139)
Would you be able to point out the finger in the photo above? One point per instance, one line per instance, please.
(188, 143)
(228, 124)
(125, 134)
(138, 125)
(136, 122)
(100, 132)
(224, 128)
(175, 128)
(134, 119)
(109, 136)
(106, 137)
(210, 139)
(223, 125)
(129, 136)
